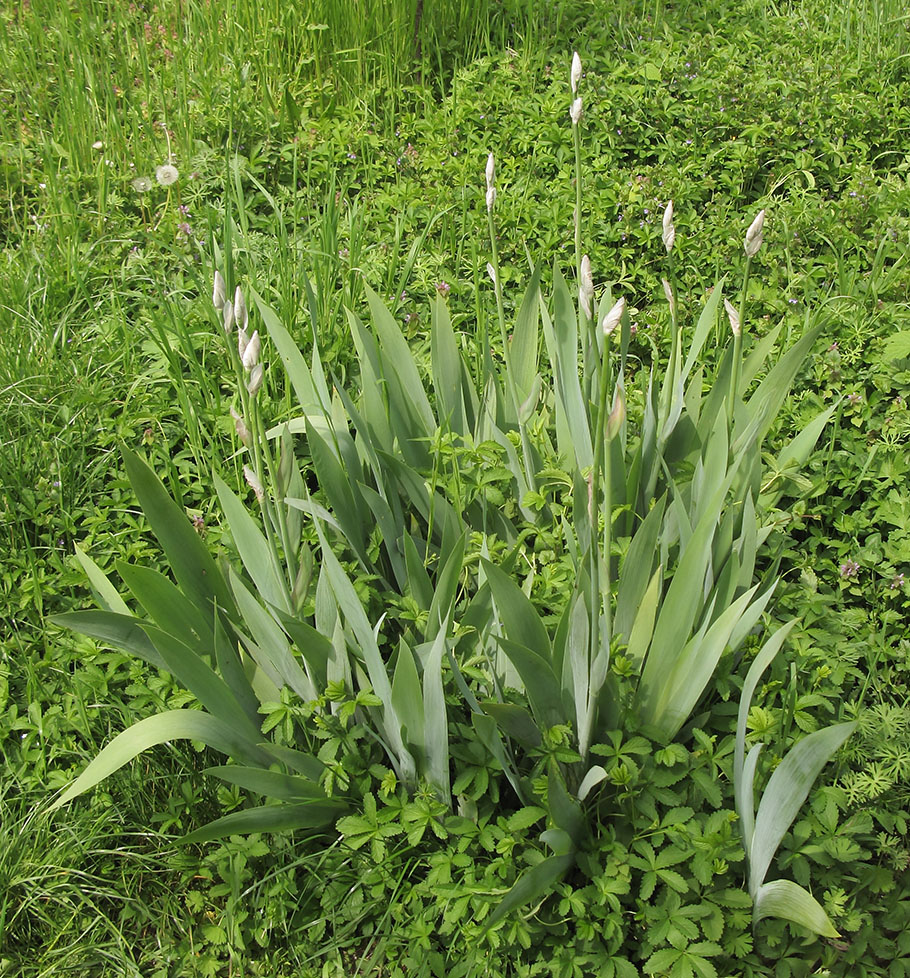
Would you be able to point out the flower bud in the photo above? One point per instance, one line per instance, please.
(669, 234)
(227, 313)
(668, 292)
(613, 318)
(491, 171)
(255, 381)
(253, 482)
(617, 415)
(243, 433)
(576, 72)
(250, 356)
(575, 111)
(733, 316)
(240, 310)
(243, 341)
(491, 198)
(586, 286)
(219, 292)
(754, 235)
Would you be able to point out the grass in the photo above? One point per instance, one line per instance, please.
(364, 161)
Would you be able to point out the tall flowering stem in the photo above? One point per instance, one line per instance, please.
(669, 284)
(497, 285)
(604, 432)
(753, 241)
(248, 373)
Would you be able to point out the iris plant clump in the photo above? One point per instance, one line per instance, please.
(663, 515)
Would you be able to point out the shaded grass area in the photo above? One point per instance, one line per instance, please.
(345, 165)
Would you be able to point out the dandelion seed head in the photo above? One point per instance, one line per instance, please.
(167, 174)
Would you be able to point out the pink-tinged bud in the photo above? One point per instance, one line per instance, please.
(240, 312)
(219, 292)
(227, 312)
(491, 198)
(255, 381)
(617, 416)
(491, 271)
(576, 72)
(669, 234)
(491, 171)
(243, 433)
(250, 356)
(733, 316)
(754, 235)
(253, 482)
(614, 317)
(586, 286)
(575, 111)
(668, 292)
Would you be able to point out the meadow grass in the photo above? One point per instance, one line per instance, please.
(362, 159)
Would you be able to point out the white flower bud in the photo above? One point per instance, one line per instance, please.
(240, 311)
(669, 234)
(255, 381)
(219, 292)
(668, 292)
(243, 433)
(227, 313)
(754, 235)
(491, 271)
(491, 198)
(491, 171)
(250, 356)
(733, 316)
(575, 111)
(243, 341)
(613, 318)
(617, 415)
(586, 286)
(576, 72)
(253, 482)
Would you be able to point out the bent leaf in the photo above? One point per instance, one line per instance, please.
(159, 729)
(789, 901)
(532, 885)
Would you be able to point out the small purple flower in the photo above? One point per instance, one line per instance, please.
(849, 569)
(897, 582)
(443, 288)
(854, 399)
(184, 228)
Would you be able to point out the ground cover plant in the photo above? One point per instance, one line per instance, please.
(89, 366)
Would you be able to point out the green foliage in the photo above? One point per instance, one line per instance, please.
(109, 341)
